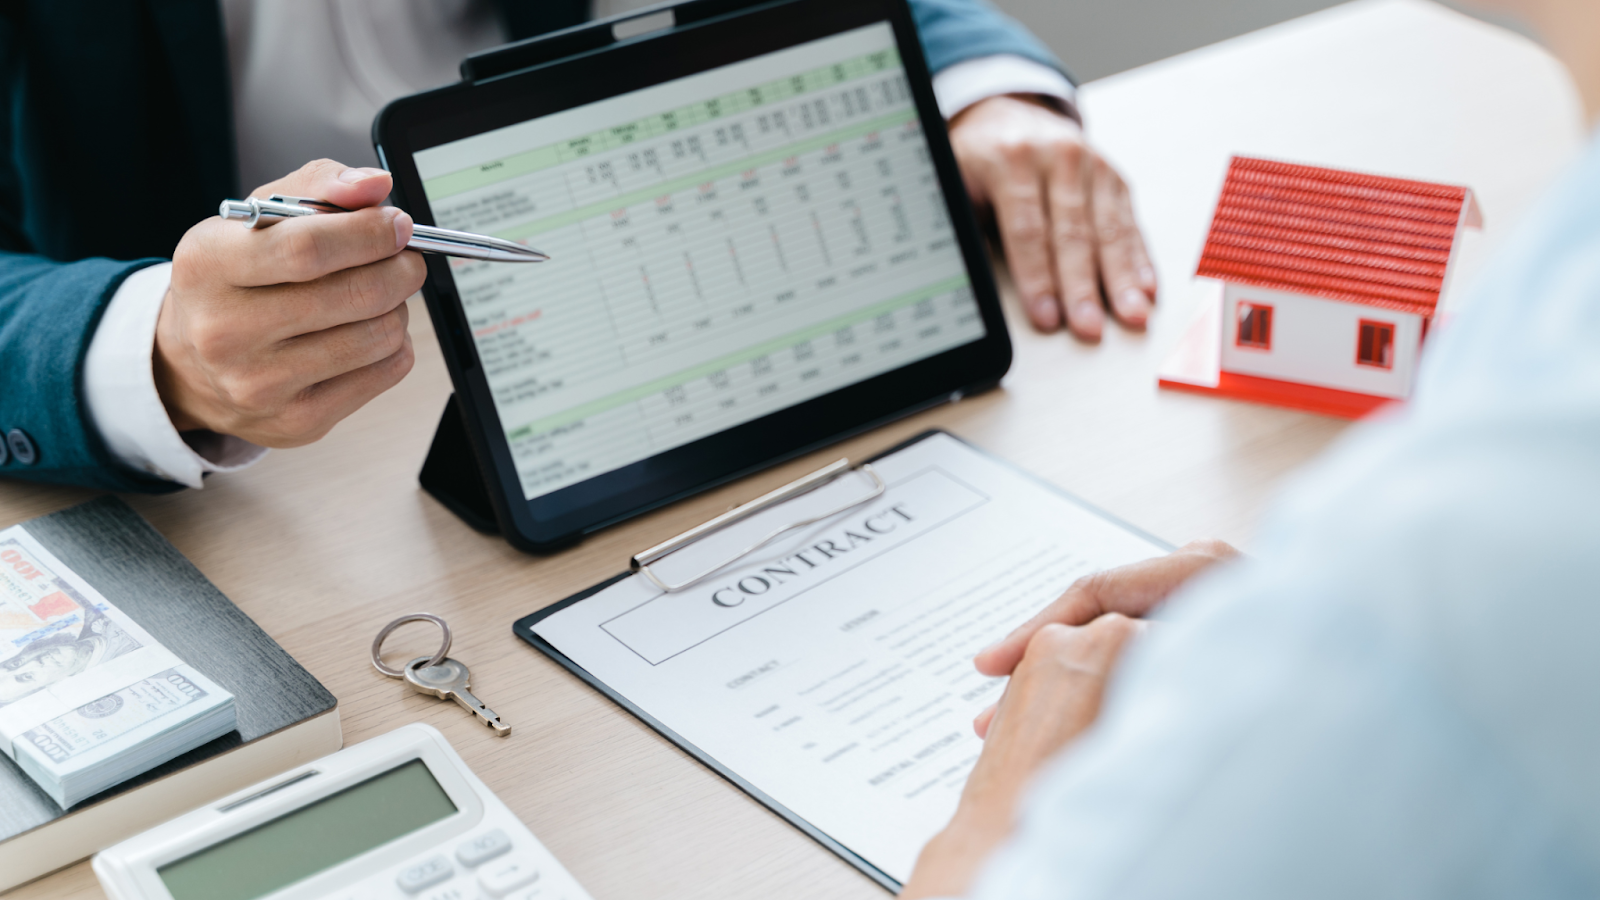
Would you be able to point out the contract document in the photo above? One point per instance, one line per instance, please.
(830, 673)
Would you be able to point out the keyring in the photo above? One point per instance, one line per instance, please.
(377, 643)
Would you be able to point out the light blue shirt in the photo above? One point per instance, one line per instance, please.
(1400, 695)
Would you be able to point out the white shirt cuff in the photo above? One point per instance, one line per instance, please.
(119, 384)
(965, 83)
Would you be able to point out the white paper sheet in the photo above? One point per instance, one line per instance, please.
(832, 670)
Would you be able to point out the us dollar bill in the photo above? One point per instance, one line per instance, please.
(100, 722)
(50, 628)
(89, 699)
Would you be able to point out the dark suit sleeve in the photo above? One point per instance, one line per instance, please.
(954, 31)
(48, 313)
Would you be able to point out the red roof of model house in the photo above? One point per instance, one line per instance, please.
(1341, 235)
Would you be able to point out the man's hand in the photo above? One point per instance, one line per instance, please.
(1131, 590)
(275, 334)
(1064, 215)
(1054, 695)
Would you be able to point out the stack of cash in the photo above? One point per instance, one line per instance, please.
(88, 699)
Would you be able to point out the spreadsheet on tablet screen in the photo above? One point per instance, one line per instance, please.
(723, 246)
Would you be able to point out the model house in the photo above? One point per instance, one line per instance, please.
(1330, 280)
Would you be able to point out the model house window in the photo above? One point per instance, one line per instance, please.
(1255, 326)
(1375, 344)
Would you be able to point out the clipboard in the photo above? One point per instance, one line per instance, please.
(639, 565)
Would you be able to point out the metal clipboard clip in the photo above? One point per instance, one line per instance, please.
(641, 562)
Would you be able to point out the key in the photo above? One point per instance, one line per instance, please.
(450, 679)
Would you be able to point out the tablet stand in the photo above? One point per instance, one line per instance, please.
(451, 473)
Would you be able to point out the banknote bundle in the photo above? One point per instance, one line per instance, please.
(89, 699)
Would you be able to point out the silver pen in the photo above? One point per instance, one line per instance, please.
(260, 213)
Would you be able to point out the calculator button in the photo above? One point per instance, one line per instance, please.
(505, 876)
(483, 848)
(425, 875)
(461, 890)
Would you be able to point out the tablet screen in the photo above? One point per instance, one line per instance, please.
(723, 246)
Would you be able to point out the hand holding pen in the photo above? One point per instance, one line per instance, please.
(258, 213)
(275, 334)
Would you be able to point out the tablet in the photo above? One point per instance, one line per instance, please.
(759, 244)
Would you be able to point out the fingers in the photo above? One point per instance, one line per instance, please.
(274, 334)
(235, 324)
(1054, 695)
(335, 182)
(279, 365)
(310, 413)
(1072, 237)
(283, 401)
(1106, 637)
(1064, 215)
(1017, 192)
(1087, 650)
(324, 355)
(984, 720)
(305, 248)
(295, 250)
(326, 404)
(1209, 549)
(1080, 604)
(1062, 676)
(1131, 590)
(343, 297)
(1125, 269)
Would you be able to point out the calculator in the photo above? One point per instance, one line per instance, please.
(398, 817)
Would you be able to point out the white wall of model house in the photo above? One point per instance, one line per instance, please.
(1314, 341)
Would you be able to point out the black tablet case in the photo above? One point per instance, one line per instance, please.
(134, 567)
(459, 470)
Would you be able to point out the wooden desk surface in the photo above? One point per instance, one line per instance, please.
(322, 545)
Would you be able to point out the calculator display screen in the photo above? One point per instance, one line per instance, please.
(311, 839)
(723, 246)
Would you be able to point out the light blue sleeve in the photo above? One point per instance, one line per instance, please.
(1397, 697)
(954, 31)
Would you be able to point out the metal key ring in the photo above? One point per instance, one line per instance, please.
(377, 643)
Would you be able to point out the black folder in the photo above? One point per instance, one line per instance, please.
(277, 701)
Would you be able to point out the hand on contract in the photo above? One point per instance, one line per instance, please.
(275, 335)
(1059, 662)
(1053, 696)
(1063, 213)
(1132, 590)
